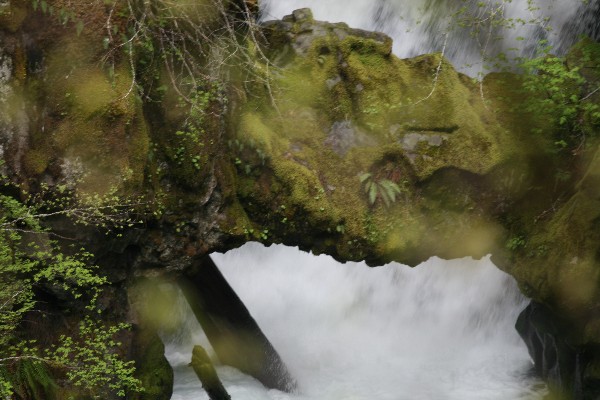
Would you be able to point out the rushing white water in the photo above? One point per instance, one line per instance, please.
(441, 331)
(426, 26)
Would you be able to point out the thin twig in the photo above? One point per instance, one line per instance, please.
(437, 72)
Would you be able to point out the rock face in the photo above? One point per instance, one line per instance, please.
(554, 359)
(299, 31)
(327, 142)
(153, 369)
(568, 368)
(346, 107)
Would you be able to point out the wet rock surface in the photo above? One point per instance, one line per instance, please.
(568, 368)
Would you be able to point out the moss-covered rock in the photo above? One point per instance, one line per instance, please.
(152, 368)
(333, 144)
(344, 106)
(97, 123)
(151, 310)
(12, 14)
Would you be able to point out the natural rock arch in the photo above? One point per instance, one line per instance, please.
(283, 164)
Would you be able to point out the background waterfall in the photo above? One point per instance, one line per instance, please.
(441, 331)
(420, 26)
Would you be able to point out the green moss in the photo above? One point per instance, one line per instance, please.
(505, 94)
(565, 275)
(252, 128)
(13, 15)
(302, 183)
(152, 369)
(36, 161)
(100, 121)
(384, 100)
(20, 65)
(366, 46)
(236, 219)
(313, 93)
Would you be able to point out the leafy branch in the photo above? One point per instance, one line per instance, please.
(564, 96)
(90, 358)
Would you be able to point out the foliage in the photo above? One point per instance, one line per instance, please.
(384, 189)
(561, 95)
(94, 364)
(191, 135)
(515, 243)
(31, 261)
(63, 14)
(195, 43)
(27, 378)
(183, 55)
(247, 155)
(487, 21)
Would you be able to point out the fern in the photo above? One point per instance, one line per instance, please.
(384, 189)
(28, 379)
(388, 190)
(364, 177)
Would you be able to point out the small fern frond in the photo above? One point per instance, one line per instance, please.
(373, 193)
(364, 177)
(31, 380)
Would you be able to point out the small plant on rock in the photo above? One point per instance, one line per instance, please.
(384, 189)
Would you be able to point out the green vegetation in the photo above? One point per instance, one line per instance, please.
(31, 263)
(190, 138)
(247, 156)
(563, 93)
(185, 102)
(516, 243)
(383, 189)
(63, 14)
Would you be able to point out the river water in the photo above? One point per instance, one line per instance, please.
(441, 331)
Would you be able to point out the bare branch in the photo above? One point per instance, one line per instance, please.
(437, 72)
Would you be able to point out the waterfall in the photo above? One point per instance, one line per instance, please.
(441, 331)
(427, 26)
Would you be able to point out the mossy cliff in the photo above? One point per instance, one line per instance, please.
(327, 141)
(342, 106)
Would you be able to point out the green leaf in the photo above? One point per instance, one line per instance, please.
(364, 177)
(368, 186)
(79, 27)
(372, 194)
(391, 193)
(385, 196)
